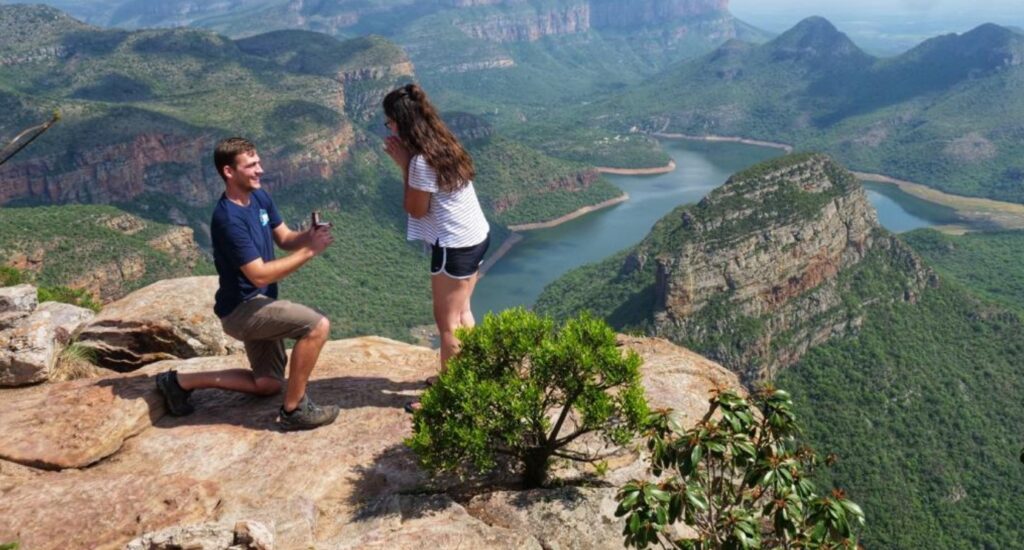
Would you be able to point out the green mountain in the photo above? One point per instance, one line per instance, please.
(912, 379)
(530, 53)
(142, 110)
(944, 113)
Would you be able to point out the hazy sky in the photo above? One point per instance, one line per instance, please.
(1008, 12)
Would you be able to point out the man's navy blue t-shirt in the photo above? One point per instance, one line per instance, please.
(241, 234)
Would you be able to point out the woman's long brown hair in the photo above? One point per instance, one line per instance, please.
(424, 133)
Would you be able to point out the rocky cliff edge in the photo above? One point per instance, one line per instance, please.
(96, 463)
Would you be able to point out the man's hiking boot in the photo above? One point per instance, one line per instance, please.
(175, 397)
(307, 415)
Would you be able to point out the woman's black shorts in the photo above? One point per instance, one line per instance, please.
(458, 263)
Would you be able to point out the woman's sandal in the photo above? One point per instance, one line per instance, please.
(412, 406)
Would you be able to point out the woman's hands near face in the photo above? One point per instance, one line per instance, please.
(398, 152)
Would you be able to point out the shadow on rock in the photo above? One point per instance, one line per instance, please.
(222, 407)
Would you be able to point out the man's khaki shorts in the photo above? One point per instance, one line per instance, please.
(262, 324)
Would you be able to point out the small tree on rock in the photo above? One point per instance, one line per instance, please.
(739, 479)
(519, 388)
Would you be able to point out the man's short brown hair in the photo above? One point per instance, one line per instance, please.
(227, 150)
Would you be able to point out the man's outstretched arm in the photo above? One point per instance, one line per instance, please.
(262, 273)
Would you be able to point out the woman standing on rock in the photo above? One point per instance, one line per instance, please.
(442, 206)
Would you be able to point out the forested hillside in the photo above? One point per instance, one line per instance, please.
(911, 379)
(142, 110)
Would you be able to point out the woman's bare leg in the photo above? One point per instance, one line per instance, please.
(450, 299)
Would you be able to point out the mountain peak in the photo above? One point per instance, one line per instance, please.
(25, 27)
(814, 38)
(984, 49)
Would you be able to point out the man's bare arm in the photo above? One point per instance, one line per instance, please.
(290, 240)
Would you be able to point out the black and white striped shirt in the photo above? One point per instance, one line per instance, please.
(454, 220)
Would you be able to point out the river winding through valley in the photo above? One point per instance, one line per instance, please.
(544, 255)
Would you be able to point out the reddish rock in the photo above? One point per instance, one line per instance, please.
(86, 511)
(75, 424)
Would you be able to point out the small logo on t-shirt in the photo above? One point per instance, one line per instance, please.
(264, 217)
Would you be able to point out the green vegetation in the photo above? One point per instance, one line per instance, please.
(739, 478)
(923, 408)
(73, 296)
(10, 276)
(987, 263)
(9, 546)
(519, 185)
(514, 384)
(71, 245)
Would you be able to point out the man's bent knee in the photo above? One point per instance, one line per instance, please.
(321, 330)
(268, 386)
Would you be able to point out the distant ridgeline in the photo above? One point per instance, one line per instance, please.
(142, 110)
(783, 273)
(520, 51)
(947, 113)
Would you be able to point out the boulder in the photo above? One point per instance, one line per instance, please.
(29, 346)
(246, 535)
(352, 484)
(170, 319)
(16, 302)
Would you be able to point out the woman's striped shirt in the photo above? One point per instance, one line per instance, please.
(454, 220)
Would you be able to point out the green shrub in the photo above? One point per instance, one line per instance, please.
(73, 296)
(522, 389)
(737, 478)
(10, 276)
(9, 546)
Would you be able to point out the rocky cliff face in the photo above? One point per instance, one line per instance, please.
(615, 14)
(570, 19)
(765, 267)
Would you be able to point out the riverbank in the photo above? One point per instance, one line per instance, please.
(727, 139)
(973, 210)
(670, 167)
(506, 245)
(571, 215)
(514, 237)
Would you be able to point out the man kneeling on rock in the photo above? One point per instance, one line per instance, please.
(245, 226)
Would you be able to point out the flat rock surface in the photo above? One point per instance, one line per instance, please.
(89, 510)
(74, 424)
(352, 484)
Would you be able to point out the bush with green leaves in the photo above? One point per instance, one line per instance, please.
(522, 389)
(9, 546)
(739, 479)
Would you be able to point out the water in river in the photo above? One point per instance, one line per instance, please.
(544, 255)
